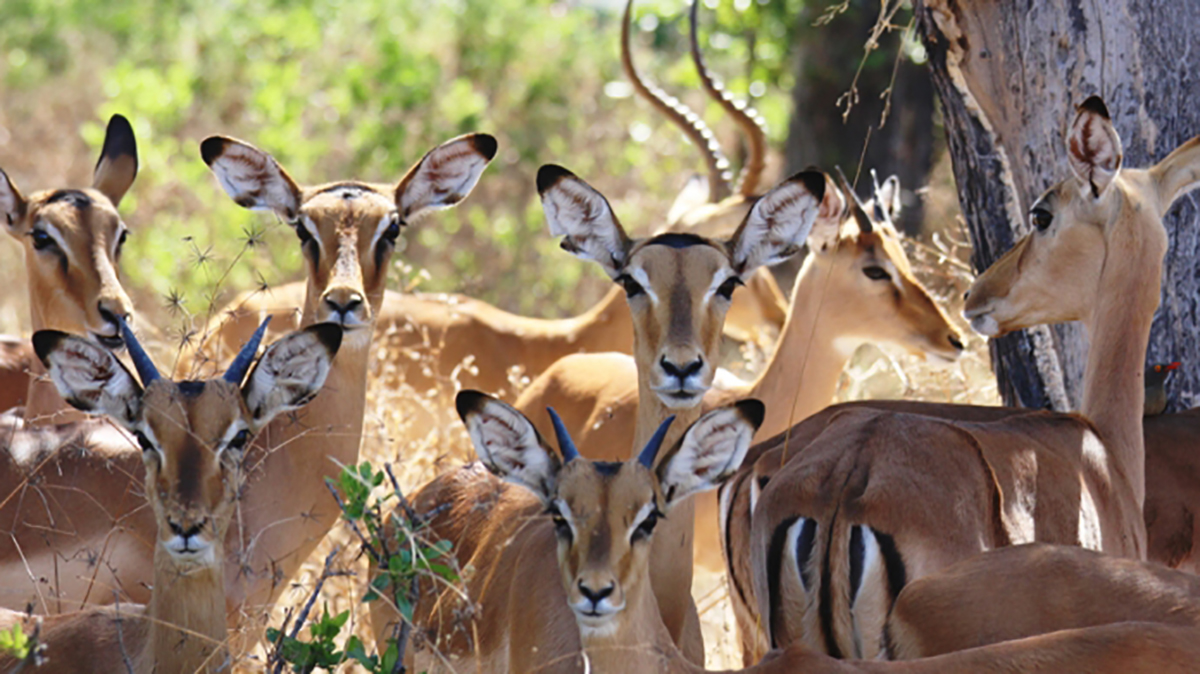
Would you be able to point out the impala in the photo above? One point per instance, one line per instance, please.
(16, 362)
(604, 517)
(836, 534)
(72, 240)
(194, 436)
(678, 287)
(347, 232)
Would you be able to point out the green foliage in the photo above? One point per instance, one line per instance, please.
(15, 642)
(393, 537)
(336, 91)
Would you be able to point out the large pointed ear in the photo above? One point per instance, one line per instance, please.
(118, 163)
(251, 177)
(582, 216)
(508, 444)
(89, 376)
(778, 223)
(445, 175)
(828, 223)
(886, 201)
(12, 206)
(1093, 146)
(1177, 174)
(710, 450)
(291, 372)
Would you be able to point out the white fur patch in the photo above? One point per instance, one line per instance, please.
(254, 179)
(775, 227)
(445, 176)
(291, 371)
(582, 216)
(507, 444)
(89, 377)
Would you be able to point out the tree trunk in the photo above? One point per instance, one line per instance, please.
(1009, 75)
(827, 58)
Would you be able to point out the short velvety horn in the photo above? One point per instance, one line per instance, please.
(241, 365)
(145, 367)
(652, 447)
(565, 444)
(856, 205)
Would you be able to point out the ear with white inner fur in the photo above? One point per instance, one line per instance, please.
(828, 223)
(251, 177)
(1093, 146)
(508, 444)
(710, 451)
(445, 175)
(888, 196)
(89, 376)
(291, 372)
(12, 205)
(778, 223)
(582, 216)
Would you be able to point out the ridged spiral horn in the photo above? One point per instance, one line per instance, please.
(650, 451)
(141, 361)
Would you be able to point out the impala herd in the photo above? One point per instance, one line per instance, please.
(143, 511)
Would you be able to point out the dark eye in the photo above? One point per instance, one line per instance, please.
(147, 446)
(121, 240)
(877, 273)
(393, 230)
(41, 240)
(238, 442)
(562, 528)
(727, 288)
(643, 530)
(632, 288)
(1041, 218)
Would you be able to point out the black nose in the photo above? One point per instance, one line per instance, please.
(681, 372)
(346, 307)
(966, 295)
(954, 341)
(178, 530)
(596, 596)
(108, 316)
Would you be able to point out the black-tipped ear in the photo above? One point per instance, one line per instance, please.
(46, 341)
(1095, 105)
(211, 148)
(753, 410)
(549, 175)
(814, 182)
(118, 163)
(486, 145)
(469, 401)
(329, 334)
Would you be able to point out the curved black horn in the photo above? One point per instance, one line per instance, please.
(656, 440)
(565, 444)
(145, 367)
(241, 365)
(856, 205)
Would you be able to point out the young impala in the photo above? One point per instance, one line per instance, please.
(194, 436)
(605, 517)
(835, 535)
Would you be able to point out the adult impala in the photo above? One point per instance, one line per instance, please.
(605, 516)
(679, 287)
(834, 540)
(194, 437)
(347, 231)
(72, 240)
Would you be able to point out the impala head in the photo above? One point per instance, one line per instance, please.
(604, 513)
(859, 252)
(348, 230)
(73, 240)
(1102, 225)
(678, 285)
(193, 433)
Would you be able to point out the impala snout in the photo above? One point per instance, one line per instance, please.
(682, 378)
(345, 306)
(597, 599)
(982, 321)
(188, 541)
(108, 332)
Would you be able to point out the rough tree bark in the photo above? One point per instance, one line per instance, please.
(1009, 75)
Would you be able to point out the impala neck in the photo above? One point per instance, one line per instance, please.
(801, 377)
(43, 404)
(187, 618)
(1119, 333)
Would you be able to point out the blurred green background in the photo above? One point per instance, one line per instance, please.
(339, 90)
